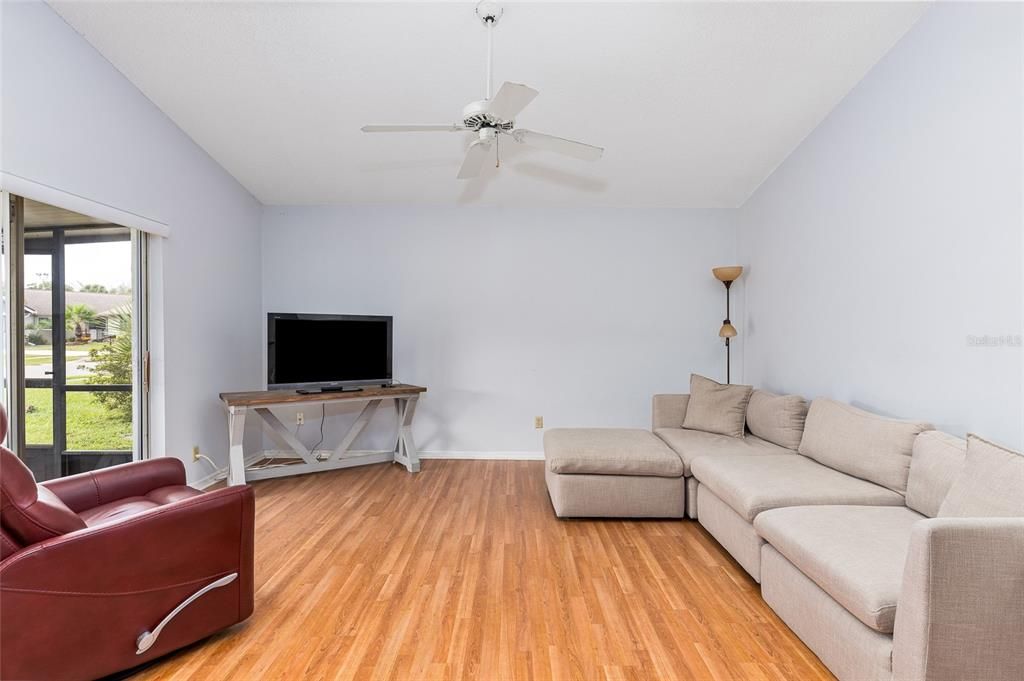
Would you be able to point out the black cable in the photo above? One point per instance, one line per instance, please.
(323, 415)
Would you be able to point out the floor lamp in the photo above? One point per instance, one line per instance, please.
(727, 275)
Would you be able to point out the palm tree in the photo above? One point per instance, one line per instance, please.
(78, 317)
(112, 364)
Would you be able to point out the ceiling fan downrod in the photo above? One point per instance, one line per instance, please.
(489, 13)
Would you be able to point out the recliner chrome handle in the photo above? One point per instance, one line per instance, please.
(147, 638)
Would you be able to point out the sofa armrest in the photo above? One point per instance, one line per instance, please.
(961, 607)
(127, 575)
(88, 490)
(668, 411)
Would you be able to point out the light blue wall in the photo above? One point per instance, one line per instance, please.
(893, 233)
(577, 315)
(72, 121)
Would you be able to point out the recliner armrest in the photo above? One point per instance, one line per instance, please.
(961, 606)
(88, 490)
(668, 411)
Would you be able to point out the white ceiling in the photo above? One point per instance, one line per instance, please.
(696, 103)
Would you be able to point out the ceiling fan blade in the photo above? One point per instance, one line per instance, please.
(476, 156)
(586, 152)
(452, 127)
(510, 99)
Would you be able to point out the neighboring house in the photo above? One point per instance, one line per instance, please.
(107, 306)
(110, 320)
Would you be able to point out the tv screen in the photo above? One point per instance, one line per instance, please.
(308, 350)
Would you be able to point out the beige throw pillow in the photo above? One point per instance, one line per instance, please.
(777, 418)
(717, 408)
(990, 485)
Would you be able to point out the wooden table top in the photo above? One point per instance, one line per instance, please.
(265, 397)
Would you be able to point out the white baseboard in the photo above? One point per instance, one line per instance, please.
(221, 473)
(485, 456)
(214, 477)
(433, 454)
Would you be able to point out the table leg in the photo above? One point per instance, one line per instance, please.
(405, 448)
(236, 452)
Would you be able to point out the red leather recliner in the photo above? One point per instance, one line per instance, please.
(94, 567)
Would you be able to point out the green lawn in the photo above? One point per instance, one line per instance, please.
(90, 424)
(70, 347)
(36, 355)
(33, 360)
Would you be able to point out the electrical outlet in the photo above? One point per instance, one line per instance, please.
(195, 453)
(538, 422)
(300, 418)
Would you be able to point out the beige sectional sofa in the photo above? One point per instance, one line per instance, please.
(891, 550)
(868, 457)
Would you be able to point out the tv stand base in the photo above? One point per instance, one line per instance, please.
(301, 459)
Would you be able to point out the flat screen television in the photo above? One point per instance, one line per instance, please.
(327, 350)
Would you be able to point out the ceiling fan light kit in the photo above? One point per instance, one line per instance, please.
(494, 116)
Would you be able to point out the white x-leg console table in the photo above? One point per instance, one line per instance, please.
(261, 403)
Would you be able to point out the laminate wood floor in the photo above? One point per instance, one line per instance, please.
(463, 572)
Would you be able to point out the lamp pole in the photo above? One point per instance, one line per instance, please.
(725, 324)
(727, 275)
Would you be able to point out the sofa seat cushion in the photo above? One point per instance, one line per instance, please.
(690, 444)
(609, 451)
(129, 506)
(752, 484)
(855, 554)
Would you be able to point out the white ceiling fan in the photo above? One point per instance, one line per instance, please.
(492, 117)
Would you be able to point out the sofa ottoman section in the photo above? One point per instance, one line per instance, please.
(612, 473)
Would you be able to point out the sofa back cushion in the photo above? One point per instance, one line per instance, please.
(937, 461)
(859, 443)
(990, 484)
(717, 408)
(777, 418)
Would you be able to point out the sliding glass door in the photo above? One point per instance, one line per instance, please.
(80, 359)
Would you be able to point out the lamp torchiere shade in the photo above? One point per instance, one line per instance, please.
(727, 274)
(727, 331)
